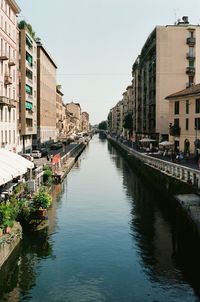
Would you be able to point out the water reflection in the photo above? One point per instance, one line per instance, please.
(110, 238)
(19, 275)
(168, 247)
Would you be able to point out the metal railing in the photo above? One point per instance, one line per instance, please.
(182, 173)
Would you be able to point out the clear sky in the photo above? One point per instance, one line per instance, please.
(95, 42)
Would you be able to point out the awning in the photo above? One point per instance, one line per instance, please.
(12, 165)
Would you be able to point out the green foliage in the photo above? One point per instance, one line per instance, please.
(42, 199)
(128, 122)
(7, 215)
(24, 25)
(47, 176)
(103, 125)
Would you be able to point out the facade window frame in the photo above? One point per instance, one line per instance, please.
(176, 107)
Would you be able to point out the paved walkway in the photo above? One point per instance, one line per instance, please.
(192, 163)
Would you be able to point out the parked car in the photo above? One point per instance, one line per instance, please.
(43, 151)
(27, 156)
(56, 146)
(36, 154)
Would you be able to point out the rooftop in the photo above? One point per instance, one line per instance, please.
(193, 90)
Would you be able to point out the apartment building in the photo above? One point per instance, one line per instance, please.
(168, 62)
(46, 96)
(184, 119)
(116, 118)
(28, 86)
(60, 116)
(75, 110)
(85, 121)
(9, 94)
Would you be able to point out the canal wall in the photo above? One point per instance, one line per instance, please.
(68, 161)
(8, 242)
(182, 197)
(161, 180)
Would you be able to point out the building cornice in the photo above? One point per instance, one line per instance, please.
(14, 6)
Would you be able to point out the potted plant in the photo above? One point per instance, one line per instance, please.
(42, 200)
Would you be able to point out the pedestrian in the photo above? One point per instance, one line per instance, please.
(199, 163)
(47, 157)
(187, 156)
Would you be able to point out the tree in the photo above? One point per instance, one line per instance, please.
(128, 122)
(103, 125)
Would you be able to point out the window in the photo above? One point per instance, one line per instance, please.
(186, 123)
(187, 107)
(191, 34)
(6, 114)
(176, 122)
(9, 136)
(29, 89)
(197, 107)
(6, 137)
(191, 52)
(197, 123)
(13, 136)
(29, 59)
(1, 114)
(176, 107)
(9, 115)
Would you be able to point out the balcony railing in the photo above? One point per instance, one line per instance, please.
(190, 70)
(7, 102)
(191, 41)
(188, 84)
(8, 80)
(190, 56)
(12, 62)
(4, 56)
(174, 130)
(29, 129)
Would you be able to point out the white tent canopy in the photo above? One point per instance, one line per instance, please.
(146, 140)
(165, 143)
(12, 165)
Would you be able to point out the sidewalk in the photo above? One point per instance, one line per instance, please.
(192, 163)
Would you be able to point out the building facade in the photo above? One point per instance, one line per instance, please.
(59, 114)
(28, 86)
(75, 110)
(9, 80)
(168, 62)
(85, 125)
(184, 119)
(46, 96)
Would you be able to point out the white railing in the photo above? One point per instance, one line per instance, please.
(182, 173)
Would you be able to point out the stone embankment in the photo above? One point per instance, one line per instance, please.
(180, 183)
(8, 242)
(67, 162)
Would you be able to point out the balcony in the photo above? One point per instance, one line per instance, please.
(190, 70)
(188, 84)
(29, 129)
(12, 62)
(4, 56)
(191, 41)
(4, 101)
(174, 130)
(8, 80)
(190, 56)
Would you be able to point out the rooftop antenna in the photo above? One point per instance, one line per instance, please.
(175, 15)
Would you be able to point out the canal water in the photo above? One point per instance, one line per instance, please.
(110, 238)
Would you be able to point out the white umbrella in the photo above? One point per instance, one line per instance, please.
(165, 143)
(146, 140)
